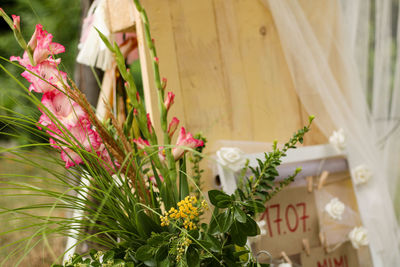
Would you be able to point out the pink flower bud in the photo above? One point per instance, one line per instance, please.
(135, 112)
(17, 22)
(169, 101)
(173, 125)
(149, 125)
(164, 83)
(156, 60)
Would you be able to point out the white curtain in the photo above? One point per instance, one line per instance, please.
(344, 61)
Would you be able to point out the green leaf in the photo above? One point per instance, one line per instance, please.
(144, 253)
(240, 216)
(146, 225)
(192, 257)
(194, 233)
(155, 240)
(225, 221)
(239, 237)
(213, 194)
(215, 244)
(162, 253)
(251, 227)
(224, 204)
(255, 205)
(105, 40)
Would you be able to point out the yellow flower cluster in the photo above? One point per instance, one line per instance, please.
(187, 210)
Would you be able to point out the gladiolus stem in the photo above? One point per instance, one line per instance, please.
(160, 93)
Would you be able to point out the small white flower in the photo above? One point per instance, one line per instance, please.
(285, 264)
(359, 237)
(335, 208)
(231, 157)
(338, 140)
(361, 174)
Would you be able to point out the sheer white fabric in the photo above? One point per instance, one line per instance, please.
(327, 46)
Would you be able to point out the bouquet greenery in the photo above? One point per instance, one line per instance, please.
(137, 192)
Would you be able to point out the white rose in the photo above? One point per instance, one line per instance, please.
(361, 174)
(261, 225)
(335, 209)
(359, 237)
(231, 157)
(338, 140)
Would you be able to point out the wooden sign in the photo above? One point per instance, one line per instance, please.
(344, 256)
(289, 217)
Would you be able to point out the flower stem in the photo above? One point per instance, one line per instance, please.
(160, 92)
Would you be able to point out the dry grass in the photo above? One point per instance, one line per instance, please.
(43, 254)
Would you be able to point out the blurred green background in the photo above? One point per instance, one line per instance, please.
(59, 17)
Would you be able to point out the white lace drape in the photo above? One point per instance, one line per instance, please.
(344, 61)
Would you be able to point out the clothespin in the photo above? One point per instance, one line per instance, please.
(309, 184)
(306, 246)
(322, 239)
(285, 257)
(322, 179)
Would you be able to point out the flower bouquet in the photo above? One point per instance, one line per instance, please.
(137, 190)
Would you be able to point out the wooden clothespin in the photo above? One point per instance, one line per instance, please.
(310, 184)
(306, 246)
(285, 257)
(322, 179)
(322, 239)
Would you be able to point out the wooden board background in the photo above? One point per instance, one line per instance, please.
(224, 61)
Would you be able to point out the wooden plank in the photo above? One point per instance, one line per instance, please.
(274, 104)
(242, 123)
(206, 99)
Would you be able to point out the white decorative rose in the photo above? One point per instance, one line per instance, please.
(359, 237)
(338, 140)
(361, 174)
(335, 209)
(231, 157)
(285, 264)
(261, 225)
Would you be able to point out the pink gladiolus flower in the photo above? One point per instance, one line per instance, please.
(141, 143)
(64, 109)
(81, 136)
(173, 125)
(48, 78)
(185, 140)
(169, 101)
(17, 22)
(42, 47)
(70, 158)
